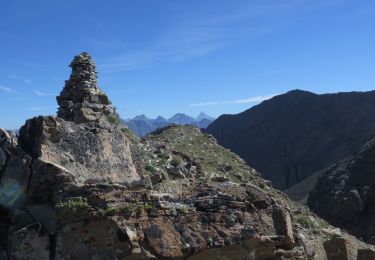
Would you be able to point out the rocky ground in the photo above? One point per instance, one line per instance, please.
(77, 186)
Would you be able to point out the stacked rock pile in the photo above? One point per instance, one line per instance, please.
(81, 100)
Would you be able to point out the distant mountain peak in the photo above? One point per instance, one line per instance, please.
(181, 118)
(180, 115)
(140, 117)
(161, 118)
(141, 125)
(202, 116)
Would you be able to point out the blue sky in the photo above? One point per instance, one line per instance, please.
(159, 57)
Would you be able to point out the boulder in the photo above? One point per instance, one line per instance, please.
(283, 226)
(81, 151)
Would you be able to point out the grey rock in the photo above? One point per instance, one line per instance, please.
(283, 226)
(84, 151)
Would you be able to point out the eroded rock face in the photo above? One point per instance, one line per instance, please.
(88, 152)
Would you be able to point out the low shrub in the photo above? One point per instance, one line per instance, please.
(177, 161)
(72, 206)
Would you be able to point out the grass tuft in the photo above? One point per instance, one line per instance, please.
(72, 206)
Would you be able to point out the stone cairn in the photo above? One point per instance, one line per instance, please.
(81, 100)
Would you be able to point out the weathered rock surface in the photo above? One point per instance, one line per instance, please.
(344, 194)
(89, 152)
(85, 189)
(294, 135)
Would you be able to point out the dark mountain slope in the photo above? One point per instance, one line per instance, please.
(345, 193)
(293, 135)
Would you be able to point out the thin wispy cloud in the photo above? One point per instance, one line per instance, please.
(236, 101)
(17, 77)
(17, 98)
(175, 47)
(199, 35)
(41, 94)
(8, 90)
(32, 64)
(36, 108)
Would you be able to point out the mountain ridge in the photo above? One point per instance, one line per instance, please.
(141, 125)
(276, 137)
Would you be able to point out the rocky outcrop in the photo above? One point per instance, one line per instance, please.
(294, 135)
(89, 153)
(78, 187)
(344, 194)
